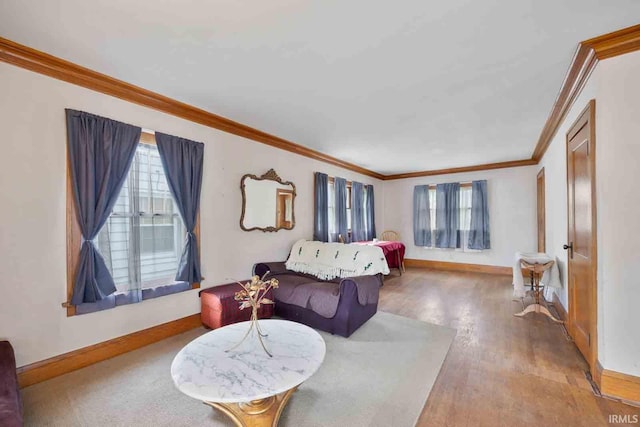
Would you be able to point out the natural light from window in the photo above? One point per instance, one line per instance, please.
(143, 238)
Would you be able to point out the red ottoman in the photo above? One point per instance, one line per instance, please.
(219, 308)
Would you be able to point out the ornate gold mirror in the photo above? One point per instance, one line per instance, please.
(267, 203)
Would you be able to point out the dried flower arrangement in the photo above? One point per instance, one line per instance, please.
(253, 295)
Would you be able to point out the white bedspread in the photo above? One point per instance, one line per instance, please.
(550, 278)
(330, 260)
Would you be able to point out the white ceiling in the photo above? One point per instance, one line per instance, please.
(391, 86)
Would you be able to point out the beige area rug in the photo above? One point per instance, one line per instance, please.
(380, 376)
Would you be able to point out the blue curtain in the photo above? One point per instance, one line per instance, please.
(370, 213)
(421, 216)
(321, 215)
(358, 232)
(100, 154)
(447, 215)
(342, 227)
(479, 232)
(182, 162)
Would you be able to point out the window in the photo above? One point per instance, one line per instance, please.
(465, 208)
(432, 208)
(143, 238)
(331, 207)
(442, 219)
(367, 226)
(337, 220)
(349, 207)
(464, 212)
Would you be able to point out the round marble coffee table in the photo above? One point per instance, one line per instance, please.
(245, 383)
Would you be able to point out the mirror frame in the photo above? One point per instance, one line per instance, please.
(271, 175)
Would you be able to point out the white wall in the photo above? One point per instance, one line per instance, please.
(554, 163)
(512, 208)
(32, 218)
(615, 85)
(618, 200)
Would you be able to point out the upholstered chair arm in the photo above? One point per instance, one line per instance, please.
(368, 287)
(275, 267)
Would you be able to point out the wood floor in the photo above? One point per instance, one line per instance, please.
(501, 370)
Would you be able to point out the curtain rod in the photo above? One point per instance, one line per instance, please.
(462, 184)
(332, 179)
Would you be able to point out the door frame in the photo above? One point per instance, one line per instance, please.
(541, 208)
(588, 115)
(280, 191)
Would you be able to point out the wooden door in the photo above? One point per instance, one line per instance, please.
(582, 234)
(541, 213)
(283, 208)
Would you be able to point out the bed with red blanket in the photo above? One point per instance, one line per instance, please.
(393, 251)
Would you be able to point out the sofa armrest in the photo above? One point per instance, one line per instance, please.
(276, 267)
(10, 402)
(368, 287)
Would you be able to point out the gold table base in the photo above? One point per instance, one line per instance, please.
(257, 413)
(538, 308)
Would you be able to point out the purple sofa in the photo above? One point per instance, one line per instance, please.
(339, 306)
(10, 403)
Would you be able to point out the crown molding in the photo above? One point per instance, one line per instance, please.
(483, 167)
(49, 65)
(616, 43)
(587, 56)
(583, 63)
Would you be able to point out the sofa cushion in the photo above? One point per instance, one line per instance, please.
(321, 297)
(294, 280)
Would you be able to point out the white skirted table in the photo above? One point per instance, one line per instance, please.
(245, 383)
(544, 273)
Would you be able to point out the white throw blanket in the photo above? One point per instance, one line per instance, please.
(327, 261)
(550, 278)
